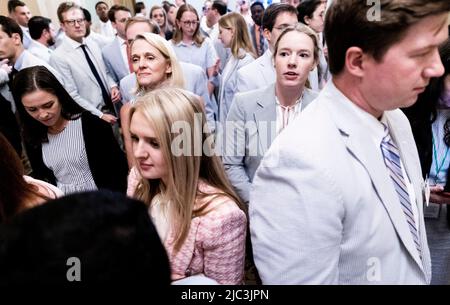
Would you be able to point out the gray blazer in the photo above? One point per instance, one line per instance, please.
(79, 80)
(257, 74)
(323, 209)
(228, 84)
(253, 119)
(112, 56)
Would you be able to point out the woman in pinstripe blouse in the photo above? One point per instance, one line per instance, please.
(66, 145)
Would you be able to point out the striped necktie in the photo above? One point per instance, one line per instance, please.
(392, 160)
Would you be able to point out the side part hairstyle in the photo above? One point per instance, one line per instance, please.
(165, 109)
(374, 38)
(174, 78)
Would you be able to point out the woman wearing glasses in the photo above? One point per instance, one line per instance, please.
(190, 46)
(234, 35)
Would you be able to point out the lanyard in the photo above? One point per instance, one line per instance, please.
(438, 167)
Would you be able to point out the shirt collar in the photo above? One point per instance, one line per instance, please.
(181, 43)
(19, 62)
(373, 126)
(74, 44)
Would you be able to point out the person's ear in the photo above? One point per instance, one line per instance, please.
(307, 20)
(354, 61)
(267, 35)
(169, 68)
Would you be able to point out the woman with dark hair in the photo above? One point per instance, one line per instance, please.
(66, 145)
(19, 192)
(430, 123)
(312, 13)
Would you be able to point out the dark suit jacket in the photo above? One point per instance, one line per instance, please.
(107, 161)
(8, 125)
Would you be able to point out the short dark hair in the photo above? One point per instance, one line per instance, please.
(306, 8)
(40, 78)
(272, 12)
(256, 3)
(111, 235)
(12, 4)
(87, 14)
(10, 27)
(220, 6)
(37, 25)
(138, 7)
(347, 25)
(101, 2)
(115, 8)
(65, 7)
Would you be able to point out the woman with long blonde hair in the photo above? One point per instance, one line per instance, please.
(234, 35)
(199, 218)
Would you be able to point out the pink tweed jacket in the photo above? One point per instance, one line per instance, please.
(215, 245)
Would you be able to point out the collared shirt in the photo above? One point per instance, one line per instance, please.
(204, 56)
(286, 114)
(39, 50)
(104, 28)
(375, 130)
(26, 37)
(123, 51)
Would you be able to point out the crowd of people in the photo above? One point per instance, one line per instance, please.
(300, 142)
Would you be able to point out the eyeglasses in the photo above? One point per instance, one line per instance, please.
(190, 23)
(205, 9)
(73, 22)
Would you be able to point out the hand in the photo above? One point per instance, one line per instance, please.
(109, 118)
(115, 95)
(438, 195)
(4, 66)
(217, 67)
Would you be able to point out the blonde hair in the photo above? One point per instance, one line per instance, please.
(163, 108)
(241, 37)
(174, 78)
(178, 33)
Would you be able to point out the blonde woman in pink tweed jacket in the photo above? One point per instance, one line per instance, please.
(199, 218)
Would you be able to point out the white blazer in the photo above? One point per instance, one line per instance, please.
(79, 80)
(323, 208)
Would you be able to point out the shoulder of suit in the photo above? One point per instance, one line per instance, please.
(253, 95)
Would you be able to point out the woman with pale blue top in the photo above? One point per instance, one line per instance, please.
(190, 46)
(234, 35)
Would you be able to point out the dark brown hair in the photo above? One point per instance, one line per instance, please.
(14, 190)
(347, 24)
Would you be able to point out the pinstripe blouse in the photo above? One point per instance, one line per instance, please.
(65, 155)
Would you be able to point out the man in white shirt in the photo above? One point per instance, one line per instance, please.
(43, 34)
(103, 26)
(20, 13)
(115, 54)
(81, 64)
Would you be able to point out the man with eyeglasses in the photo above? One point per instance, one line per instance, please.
(80, 62)
(115, 54)
(261, 72)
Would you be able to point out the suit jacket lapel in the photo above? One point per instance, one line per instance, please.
(267, 64)
(118, 55)
(361, 146)
(265, 117)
